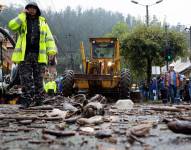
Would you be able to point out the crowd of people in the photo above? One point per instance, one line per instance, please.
(170, 87)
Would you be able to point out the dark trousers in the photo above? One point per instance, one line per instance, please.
(51, 92)
(31, 77)
(164, 95)
(172, 93)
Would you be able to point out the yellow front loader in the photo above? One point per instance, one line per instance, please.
(101, 72)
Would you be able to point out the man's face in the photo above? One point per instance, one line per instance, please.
(32, 10)
(171, 68)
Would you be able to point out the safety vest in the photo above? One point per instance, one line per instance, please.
(51, 85)
(46, 44)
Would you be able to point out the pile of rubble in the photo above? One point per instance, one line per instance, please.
(93, 123)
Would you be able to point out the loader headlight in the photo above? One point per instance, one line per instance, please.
(109, 64)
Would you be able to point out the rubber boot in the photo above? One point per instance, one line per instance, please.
(38, 100)
(24, 102)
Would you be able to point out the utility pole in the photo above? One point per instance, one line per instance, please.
(70, 51)
(71, 57)
(147, 15)
(166, 44)
(147, 8)
(189, 37)
(189, 30)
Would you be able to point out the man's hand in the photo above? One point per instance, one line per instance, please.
(51, 59)
(25, 11)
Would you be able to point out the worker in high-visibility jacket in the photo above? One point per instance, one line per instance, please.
(51, 87)
(34, 48)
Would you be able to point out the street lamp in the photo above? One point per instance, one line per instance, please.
(189, 30)
(147, 8)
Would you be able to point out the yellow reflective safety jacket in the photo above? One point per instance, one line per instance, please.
(46, 44)
(51, 85)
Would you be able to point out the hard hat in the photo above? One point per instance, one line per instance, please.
(171, 65)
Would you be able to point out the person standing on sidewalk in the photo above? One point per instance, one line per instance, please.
(189, 88)
(163, 90)
(172, 81)
(34, 48)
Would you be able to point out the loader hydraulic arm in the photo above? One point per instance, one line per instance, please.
(83, 56)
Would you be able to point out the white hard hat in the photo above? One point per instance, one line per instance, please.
(171, 65)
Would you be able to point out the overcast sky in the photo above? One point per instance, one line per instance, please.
(173, 11)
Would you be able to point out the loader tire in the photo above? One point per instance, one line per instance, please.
(124, 84)
(68, 82)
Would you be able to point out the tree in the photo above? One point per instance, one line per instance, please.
(120, 31)
(143, 47)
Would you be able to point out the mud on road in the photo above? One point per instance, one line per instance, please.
(58, 126)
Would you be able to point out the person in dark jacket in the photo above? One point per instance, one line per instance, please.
(163, 90)
(186, 91)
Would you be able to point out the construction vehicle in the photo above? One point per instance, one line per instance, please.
(101, 72)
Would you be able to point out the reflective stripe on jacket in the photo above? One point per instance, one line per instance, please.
(46, 44)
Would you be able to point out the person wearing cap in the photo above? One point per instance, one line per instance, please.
(163, 89)
(34, 48)
(172, 81)
(181, 87)
(51, 86)
(186, 91)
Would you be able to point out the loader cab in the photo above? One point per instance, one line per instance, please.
(105, 56)
(103, 48)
